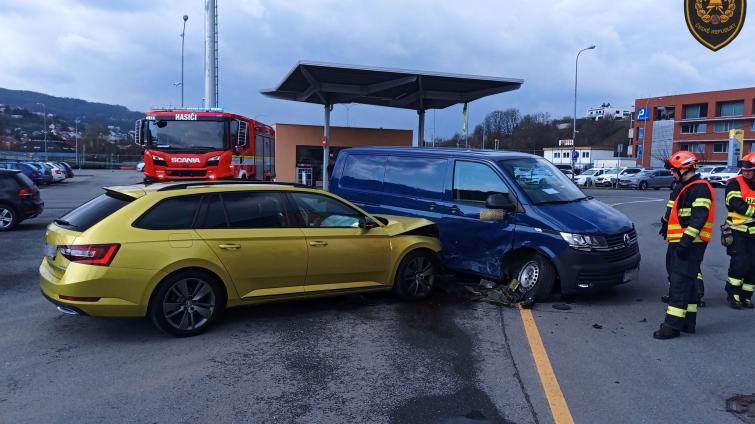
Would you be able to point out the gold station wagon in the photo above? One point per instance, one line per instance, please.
(181, 253)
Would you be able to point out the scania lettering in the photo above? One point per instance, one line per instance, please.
(205, 144)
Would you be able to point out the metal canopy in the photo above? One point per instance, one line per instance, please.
(329, 84)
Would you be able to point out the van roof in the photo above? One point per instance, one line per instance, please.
(444, 152)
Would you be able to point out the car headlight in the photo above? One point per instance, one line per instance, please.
(584, 242)
(213, 160)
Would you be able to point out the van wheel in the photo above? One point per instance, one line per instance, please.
(8, 218)
(186, 303)
(416, 276)
(537, 275)
(643, 185)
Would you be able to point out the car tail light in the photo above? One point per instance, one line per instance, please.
(34, 174)
(91, 254)
(26, 192)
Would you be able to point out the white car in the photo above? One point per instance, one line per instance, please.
(140, 166)
(719, 179)
(708, 171)
(58, 173)
(587, 178)
(610, 177)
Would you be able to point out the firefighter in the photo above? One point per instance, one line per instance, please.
(687, 226)
(740, 204)
(699, 285)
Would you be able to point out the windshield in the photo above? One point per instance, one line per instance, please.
(705, 169)
(186, 135)
(611, 171)
(541, 181)
(590, 172)
(731, 170)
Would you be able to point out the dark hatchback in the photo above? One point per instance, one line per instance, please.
(19, 199)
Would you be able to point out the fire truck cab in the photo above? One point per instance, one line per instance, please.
(196, 143)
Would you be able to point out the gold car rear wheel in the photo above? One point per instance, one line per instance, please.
(186, 303)
(416, 275)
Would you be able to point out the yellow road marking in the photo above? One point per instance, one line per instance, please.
(556, 400)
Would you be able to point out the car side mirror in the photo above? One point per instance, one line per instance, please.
(500, 201)
(367, 223)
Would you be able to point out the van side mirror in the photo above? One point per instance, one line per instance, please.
(242, 140)
(500, 201)
(138, 140)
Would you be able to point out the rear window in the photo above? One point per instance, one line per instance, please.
(23, 180)
(174, 213)
(92, 212)
(7, 181)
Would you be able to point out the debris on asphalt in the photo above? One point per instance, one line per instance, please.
(597, 326)
(644, 320)
(638, 300)
(742, 406)
(486, 284)
(561, 307)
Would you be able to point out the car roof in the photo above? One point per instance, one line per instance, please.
(168, 189)
(9, 171)
(443, 152)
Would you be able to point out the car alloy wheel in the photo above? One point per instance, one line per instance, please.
(8, 218)
(416, 276)
(186, 303)
(643, 185)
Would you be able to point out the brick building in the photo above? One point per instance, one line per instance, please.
(699, 122)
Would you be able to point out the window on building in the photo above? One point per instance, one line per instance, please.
(665, 113)
(696, 128)
(733, 108)
(725, 126)
(720, 147)
(695, 111)
(557, 155)
(586, 155)
(753, 126)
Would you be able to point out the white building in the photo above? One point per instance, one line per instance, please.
(606, 111)
(586, 156)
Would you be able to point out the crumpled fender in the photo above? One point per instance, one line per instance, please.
(398, 225)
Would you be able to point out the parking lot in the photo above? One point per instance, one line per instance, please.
(372, 358)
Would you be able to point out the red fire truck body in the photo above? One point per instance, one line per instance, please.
(205, 144)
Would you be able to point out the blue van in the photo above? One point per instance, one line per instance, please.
(500, 214)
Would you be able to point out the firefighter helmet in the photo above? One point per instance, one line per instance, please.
(681, 160)
(747, 162)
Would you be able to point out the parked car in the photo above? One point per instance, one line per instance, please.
(501, 215)
(44, 172)
(586, 179)
(709, 170)
(66, 168)
(30, 171)
(58, 174)
(721, 178)
(19, 199)
(648, 178)
(611, 176)
(181, 253)
(140, 166)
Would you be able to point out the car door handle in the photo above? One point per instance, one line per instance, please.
(229, 246)
(455, 209)
(432, 206)
(318, 243)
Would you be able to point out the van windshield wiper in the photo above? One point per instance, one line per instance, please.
(567, 201)
(64, 223)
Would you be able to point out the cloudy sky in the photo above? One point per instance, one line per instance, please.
(128, 51)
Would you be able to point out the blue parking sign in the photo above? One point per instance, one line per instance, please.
(643, 114)
(574, 155)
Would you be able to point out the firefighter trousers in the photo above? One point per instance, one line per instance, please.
(681, 312)
(742, 266)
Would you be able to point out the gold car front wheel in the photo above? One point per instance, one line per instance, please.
(416, 275)
(186, 303)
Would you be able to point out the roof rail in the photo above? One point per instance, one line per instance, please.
(181, 186)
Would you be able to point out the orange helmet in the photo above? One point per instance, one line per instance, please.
(681, 160)
(747, 162)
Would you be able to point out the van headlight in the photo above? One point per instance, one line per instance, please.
(584, 242)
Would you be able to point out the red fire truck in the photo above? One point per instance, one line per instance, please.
(193, 143)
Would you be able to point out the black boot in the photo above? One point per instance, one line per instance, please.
(747, 303)
(733, 302)
(665, 333)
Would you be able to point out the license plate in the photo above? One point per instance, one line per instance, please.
(631, 275)
(51, 250)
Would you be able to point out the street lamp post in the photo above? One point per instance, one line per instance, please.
(183, 34)
(44, 111)
(574, 123)
(76, 136)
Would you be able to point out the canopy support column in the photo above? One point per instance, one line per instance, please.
(421, 129)
(326, 148)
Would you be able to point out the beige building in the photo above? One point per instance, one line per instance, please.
(300, 146)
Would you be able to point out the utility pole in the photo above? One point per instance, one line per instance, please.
(183, 38)
(44, 110)
(76, 136)
(574, 124)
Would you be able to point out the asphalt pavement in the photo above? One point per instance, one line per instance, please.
(372, 358)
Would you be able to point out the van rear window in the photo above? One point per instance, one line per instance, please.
(92, 212)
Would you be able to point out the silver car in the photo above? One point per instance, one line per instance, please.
(648, 178)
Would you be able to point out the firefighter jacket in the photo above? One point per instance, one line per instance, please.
(740, 202)
(690, 212)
